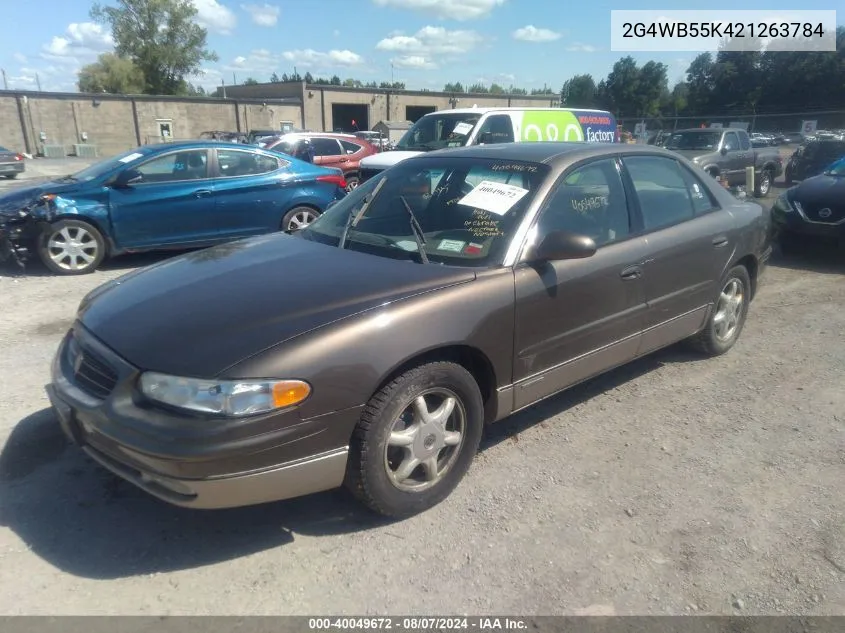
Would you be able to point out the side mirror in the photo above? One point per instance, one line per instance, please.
(723, 151)
(559, 245)
(128, 178)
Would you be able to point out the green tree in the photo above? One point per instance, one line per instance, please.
(309, 78)
(579, 92)
(455, 87)
(620, 92)
(478, 89)
(496, 89)
(275, 79)
(250, 81)
(700, 83)
(161, 37)
(113, 74)
(542, 91)
(352, 83)
(652, 87)
(517, 91)
(392, 85)
(335, 81)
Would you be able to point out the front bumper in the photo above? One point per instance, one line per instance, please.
(796, 223)
(192, 461)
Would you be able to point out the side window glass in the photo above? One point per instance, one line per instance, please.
(700, 196)
(496, 129)
(187, 165)
(239, 163)
(731, 141)
(326, 147)
(588, 201)
(661, 189)
(350, 148)
(745, 142)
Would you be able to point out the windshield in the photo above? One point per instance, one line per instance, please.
(104, 167)
(436, 131)
(694, 140)
(284, 147)
(837, 168)
(468, 210)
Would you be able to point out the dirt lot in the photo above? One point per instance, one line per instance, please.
(674, 485)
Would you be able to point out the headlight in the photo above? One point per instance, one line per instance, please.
(782, 204)
(234, 398)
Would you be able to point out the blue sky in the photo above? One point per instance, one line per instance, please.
(527, 43)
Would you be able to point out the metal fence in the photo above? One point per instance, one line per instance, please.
(780, 123)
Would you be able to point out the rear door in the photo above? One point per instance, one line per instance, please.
(251, 192)
(689, 241)
(172, 205)
(733, 162)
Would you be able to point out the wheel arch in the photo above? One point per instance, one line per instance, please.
(469, 357)
(750, 263)
(109, 244)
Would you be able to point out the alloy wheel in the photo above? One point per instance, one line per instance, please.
(72, 248)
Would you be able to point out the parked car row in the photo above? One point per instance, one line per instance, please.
(170, 196)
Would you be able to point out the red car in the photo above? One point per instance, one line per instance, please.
(343, 151)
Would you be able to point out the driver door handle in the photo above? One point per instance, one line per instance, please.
(720, 242)
(202, 193)
(632, 272)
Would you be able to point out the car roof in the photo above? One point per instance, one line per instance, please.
(196, 144)
(510, 109)
(550, 153)
(291, 135)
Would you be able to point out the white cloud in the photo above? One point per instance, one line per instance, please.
(415, 62)
(581, 48)
(430, 41)
(20, 58)
(81, 40)
(262, 14)
(460, 10)
(531, 33)
(215, 17)
(309, 58)
(259, 62)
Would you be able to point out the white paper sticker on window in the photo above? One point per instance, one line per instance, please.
(462, 128)
(493, 197)
(451, 245)
(131, 157)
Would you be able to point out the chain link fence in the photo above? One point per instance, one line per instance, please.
(789, 123)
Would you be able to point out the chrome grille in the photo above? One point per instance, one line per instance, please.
(90, 373)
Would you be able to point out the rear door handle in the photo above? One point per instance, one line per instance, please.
(632, 272)
(202, 193)
(720, 242)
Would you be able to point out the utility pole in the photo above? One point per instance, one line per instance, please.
(234, 79)
(38, 81)
(223, 83)
(5, 83)
(392, 79)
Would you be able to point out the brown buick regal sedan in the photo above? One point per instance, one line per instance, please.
(370, 349)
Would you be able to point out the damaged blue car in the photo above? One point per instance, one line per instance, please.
(172, 196)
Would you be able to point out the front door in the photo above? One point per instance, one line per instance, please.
(577, 318)
(172, 205)
(689, 239)
(734, 160)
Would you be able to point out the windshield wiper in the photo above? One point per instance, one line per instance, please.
(416, 229)
(354, 218)
(68, 178)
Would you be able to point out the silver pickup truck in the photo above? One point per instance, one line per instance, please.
(726, 152)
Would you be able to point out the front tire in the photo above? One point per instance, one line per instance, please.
(728, 316)
(763, 184)
(416, 440)
(72, 247)
(298, 218)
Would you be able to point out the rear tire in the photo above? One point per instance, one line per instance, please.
(298, 218)
(416, 440)
(72, 247)
(727, 318)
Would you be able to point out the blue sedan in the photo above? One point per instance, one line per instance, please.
(170, 196)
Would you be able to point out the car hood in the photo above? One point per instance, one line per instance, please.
(13, 201)
(200, 313)
(820, 190)
(689, 154)
(383, 160)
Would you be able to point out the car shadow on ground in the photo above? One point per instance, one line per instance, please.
(124, 263)
(89, 523)
(811, 255)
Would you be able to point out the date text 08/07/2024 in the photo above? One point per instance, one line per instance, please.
(417, 623)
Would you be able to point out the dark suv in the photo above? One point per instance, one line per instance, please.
(811, 159)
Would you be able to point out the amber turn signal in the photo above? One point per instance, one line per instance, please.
(287, 393)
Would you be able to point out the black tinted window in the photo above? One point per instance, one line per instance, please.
(745, 142)
(665, 196)
(350, 148)
(496, 129)
(239, 163)
(588, 201)
(326, 147)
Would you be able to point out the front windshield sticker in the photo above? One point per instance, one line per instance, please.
(407, 245)
(473, 248)
(493, 197)
(481, 225)
(451, 245)
(131, 157)
(462, 128)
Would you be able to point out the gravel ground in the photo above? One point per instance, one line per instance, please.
(674, 485)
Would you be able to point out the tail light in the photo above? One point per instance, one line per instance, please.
(338, 181)
(18, 156)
